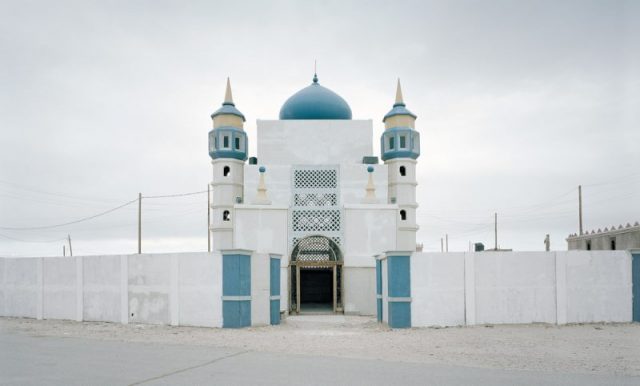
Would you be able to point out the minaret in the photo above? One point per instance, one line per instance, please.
(228, 149)
(400, 147)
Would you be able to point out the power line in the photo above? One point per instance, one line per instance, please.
(177, 194)
(70, 222)
(32, 241)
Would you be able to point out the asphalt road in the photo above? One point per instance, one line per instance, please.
(36, 360)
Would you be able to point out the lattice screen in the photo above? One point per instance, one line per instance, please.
(315, 203)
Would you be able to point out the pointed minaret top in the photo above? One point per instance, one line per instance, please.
(228, 97)
(399, 101)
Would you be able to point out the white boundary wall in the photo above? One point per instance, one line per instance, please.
(178, 289)
(467, 288)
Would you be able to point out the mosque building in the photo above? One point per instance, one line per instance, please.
(316, 195)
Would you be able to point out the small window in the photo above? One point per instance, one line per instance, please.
(226, 216)
(613, 244)
(215, 142)
(237, 140)
(391, 143)
(403, 171)
(588, 245)
(403, 215)
(226, 171)
(403, 142)
(225, 142)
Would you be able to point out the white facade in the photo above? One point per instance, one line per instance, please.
(315, 179)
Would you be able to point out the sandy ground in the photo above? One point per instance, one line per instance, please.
(592, 348)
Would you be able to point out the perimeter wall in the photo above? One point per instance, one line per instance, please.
(467, 288)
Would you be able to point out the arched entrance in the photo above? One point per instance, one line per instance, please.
(315, 276)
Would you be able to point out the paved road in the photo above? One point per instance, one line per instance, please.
(34, 360)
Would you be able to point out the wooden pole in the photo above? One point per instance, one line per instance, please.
(441, 245)
(64, 251)
(70, 249)
(208, 217)
(580, 207)
(447, 242)
(335, 288)
(495, 230)
(139, 223)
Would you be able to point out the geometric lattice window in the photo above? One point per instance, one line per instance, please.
(315, 199)
(315, 179)
(316, 249)
(316, 220)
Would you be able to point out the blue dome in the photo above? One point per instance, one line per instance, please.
(315, 102)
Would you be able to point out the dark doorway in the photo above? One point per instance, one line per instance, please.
(316, 290)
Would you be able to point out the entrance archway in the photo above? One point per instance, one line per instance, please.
(315, 275)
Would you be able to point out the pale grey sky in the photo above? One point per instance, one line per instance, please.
(518, 102)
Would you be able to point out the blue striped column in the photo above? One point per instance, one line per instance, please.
(399, 289)
(274, 298)
(236, 288)
(635, 281)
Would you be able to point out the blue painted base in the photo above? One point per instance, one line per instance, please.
(236, 313)
(275, 312)
(399, 314)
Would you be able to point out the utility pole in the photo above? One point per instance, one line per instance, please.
(495, 230)
(70, 250)
(441, 245)
(64, 250)
(208, 217)
(446, 242)
(580, 207)
(139, 223)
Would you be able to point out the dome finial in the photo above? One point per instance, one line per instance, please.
(228, 97)
(399, 100)
(315, 71)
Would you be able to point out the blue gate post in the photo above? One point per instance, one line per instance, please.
(274, 298)
(236, 288)
(635, 281)
(399, 289)
(379, 289)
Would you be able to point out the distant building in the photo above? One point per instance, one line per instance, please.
(620, 238)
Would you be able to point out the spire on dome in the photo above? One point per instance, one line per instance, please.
(228, 97)
(399, 100)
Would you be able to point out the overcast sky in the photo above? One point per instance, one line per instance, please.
(518, 103)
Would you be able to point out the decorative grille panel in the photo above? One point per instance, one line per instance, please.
(315, 204)
(315, 178)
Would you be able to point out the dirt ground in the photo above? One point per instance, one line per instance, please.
(591, 348)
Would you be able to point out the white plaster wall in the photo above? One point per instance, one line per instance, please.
(260, 289)
(520, 287)
(360, 290)
(284, 288)
(102, 290)
(59, 292)
(598, 286)
(2, 280)
(22, 288)
(314, 142)
(515, 287)
(277, 179)
(369, 229)
(200, 289)
(262, 229)
(149, 287)
(385, 291)
(354, 179)
(437, 289)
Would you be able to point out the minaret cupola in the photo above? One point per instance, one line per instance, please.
(400, 139)
(228, 139)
